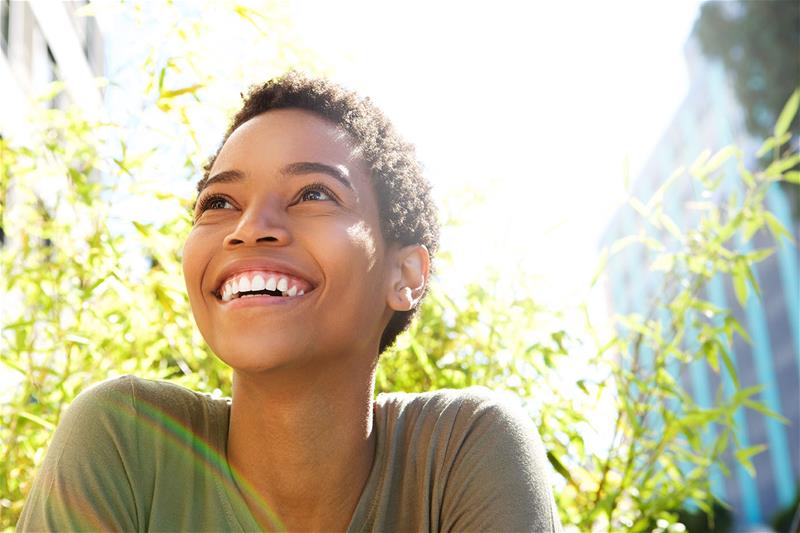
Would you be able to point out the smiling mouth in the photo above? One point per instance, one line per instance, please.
(273, 284)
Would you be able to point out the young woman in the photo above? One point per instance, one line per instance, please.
(310, 252)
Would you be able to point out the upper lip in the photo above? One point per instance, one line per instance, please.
(258, 263)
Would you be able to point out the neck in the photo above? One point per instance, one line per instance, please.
(303, 441)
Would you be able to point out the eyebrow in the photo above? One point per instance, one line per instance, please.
(339, 173)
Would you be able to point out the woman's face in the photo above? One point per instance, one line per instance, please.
(288, 198)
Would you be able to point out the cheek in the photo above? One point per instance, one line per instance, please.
(362, 237)
(191, 262)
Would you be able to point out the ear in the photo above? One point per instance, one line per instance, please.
(410, 267)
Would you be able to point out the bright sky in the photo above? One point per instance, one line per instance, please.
(535, 104)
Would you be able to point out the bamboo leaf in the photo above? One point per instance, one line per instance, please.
(759, 255)
(739, 284)
(177, 92)
(601, 266)
(742, 395)
(726, 359)
(559, 467)
(638, 206)
(776, 228)
(77, 339)
(37, 419)
(698, 164)
(752, 278)
(787, 114)
(663, 263)
(718, 159)
(766, 411)
(777, 168)
(771, 143)
(744, 455)
(670, 226)
(732, 325)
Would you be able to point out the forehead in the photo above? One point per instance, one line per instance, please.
(277, 137)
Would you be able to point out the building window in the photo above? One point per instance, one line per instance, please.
(5, 24)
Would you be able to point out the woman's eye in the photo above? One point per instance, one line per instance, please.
(214, 202)
(315, 192)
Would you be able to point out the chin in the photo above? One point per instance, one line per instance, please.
(260, 356)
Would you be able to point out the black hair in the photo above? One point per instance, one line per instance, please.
(408, 214)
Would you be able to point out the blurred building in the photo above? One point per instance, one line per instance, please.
(41, 42)
(710, 117)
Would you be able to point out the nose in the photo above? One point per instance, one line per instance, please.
(260, 224)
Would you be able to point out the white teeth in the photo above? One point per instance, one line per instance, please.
(234, 288)
(258, 283)
(283, 284)
(244, 284)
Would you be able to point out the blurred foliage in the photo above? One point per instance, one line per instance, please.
(787, 520)
(758, 42)
(623, 435)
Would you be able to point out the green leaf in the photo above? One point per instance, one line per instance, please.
(766, 411)
(558, 466)
(663, 263)
(161, 80)
(177, 92)
(696, 167)
(731, 325)
(739, 284)
(744, 455)
(772, 142)
(658, 196)
(787, 114)
(777, 168)
(37, 419)
(759, 255)
(743, 394)
(793, 176)
(670, 226)
(12, 364)
(752, 278)
(142, 228)
(710, 351)
(638, 206)
(747, 176)
(77, 339)
(621, 244)
(719, 159)
(778, 230)
(726, 358)
(601, 266)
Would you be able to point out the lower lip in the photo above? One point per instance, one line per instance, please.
(260, 301)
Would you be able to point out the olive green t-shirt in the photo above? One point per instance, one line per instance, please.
(139, 455)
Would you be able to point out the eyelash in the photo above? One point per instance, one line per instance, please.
(206, 202)
(318, 187)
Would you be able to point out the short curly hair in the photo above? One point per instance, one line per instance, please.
(408, 214)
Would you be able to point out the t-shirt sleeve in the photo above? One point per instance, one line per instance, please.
(499, 479)
(85, 481)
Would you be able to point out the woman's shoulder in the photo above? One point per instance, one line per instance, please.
(479, 444)
(450, 416)
(468, 403)
(129, 396)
